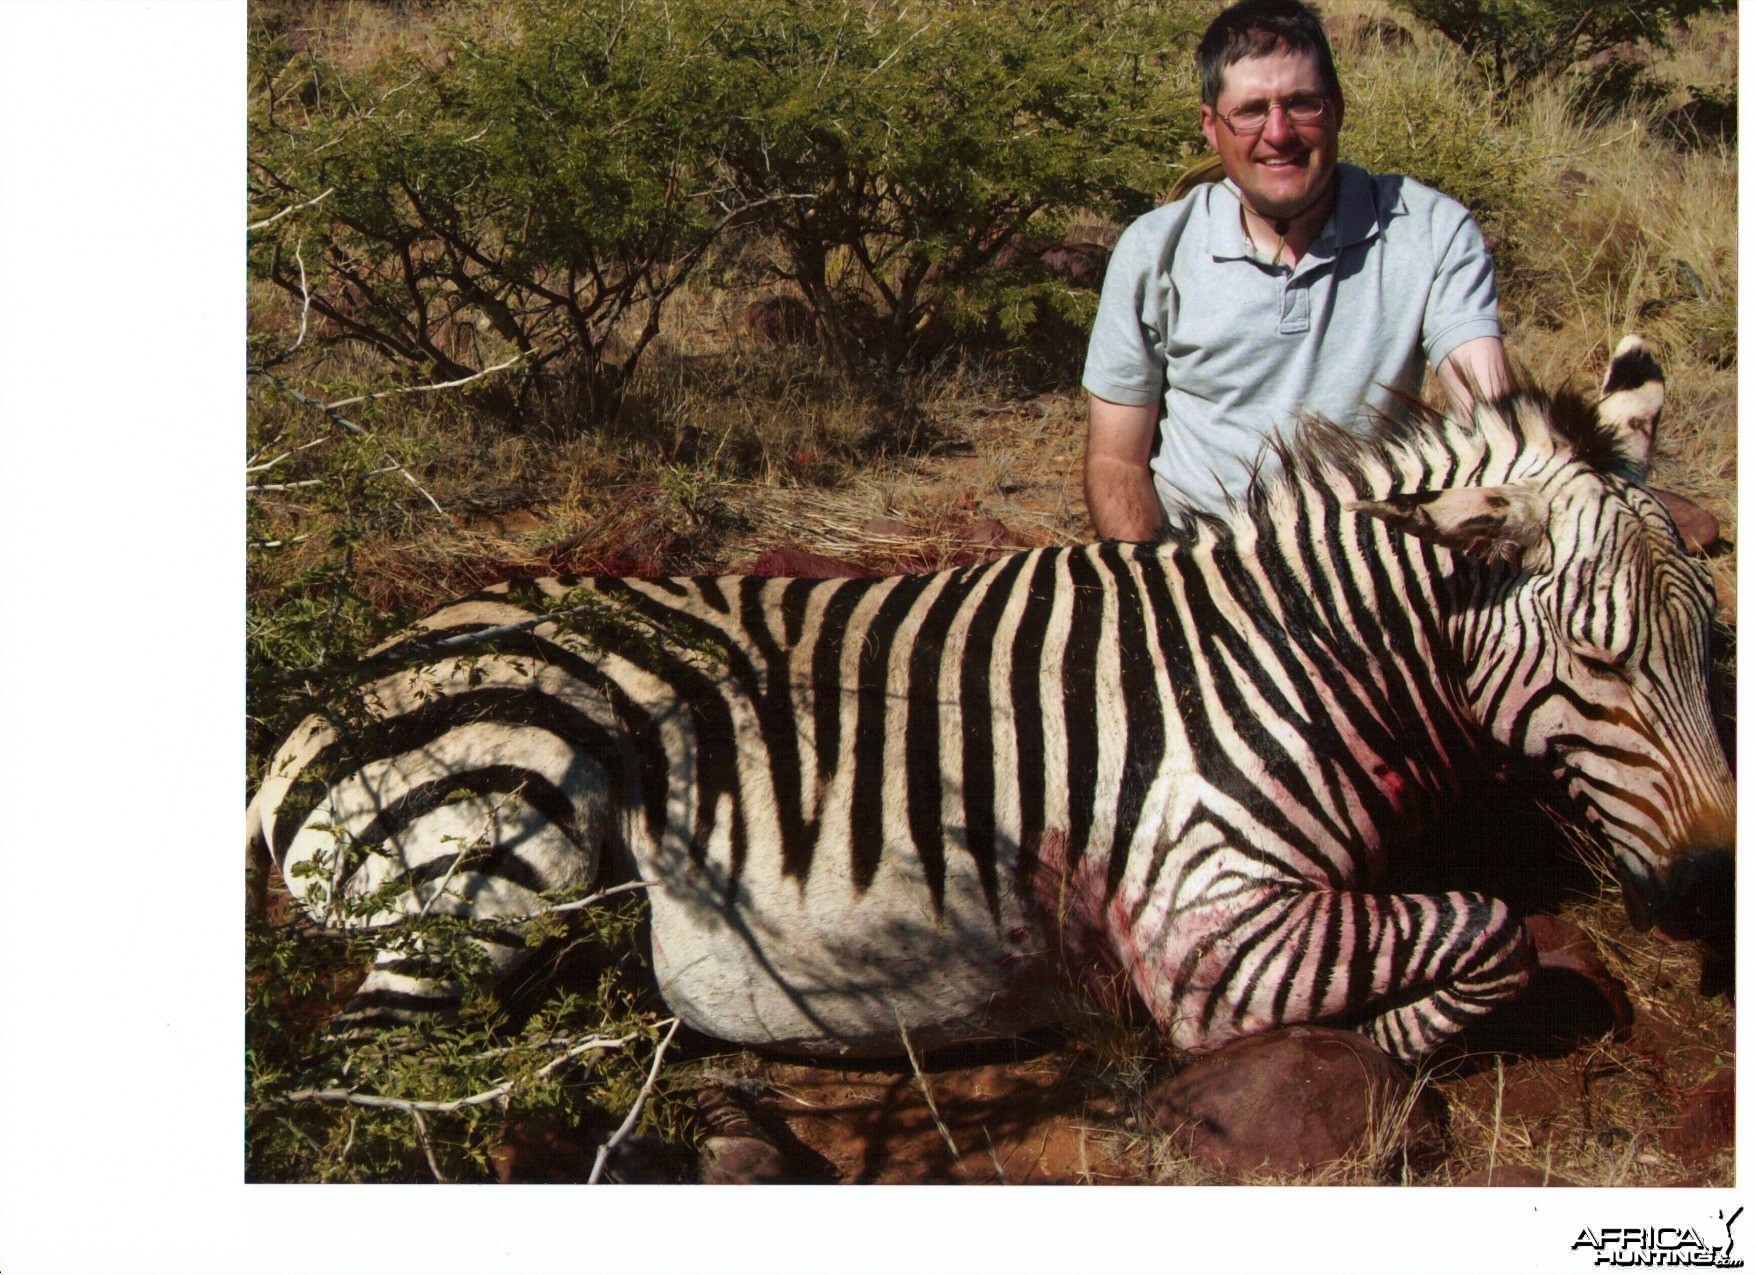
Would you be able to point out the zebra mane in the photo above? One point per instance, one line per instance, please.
(1320, 451)
(1324, 455)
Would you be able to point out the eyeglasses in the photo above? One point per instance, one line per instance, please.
(1251, 118)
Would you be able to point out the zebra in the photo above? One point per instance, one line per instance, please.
(925, 809)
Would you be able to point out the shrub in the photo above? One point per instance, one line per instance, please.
(533, 195)
(917, 161)
(1516, 41)
(1413, 111)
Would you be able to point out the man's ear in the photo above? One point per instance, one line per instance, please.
(1209, 125)
(1489, 524)
(1340, 107)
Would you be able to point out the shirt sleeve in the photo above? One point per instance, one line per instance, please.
(1464, 301)
(1124, 362)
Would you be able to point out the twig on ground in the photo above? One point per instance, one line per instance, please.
(314, 482)
(1498, 1113)
(627, 1125)
(300, 1134)
(354, 1098)
(925, 1089)
(999, 1165)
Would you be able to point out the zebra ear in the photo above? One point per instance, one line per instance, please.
(1490, 524)
(1633, 399)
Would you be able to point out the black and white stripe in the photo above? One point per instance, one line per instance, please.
(932, 802)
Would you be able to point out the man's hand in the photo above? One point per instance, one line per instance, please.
(1119, 494)
(1474, 368)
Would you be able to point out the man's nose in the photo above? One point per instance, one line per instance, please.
(1278, 128)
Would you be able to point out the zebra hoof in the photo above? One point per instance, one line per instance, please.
(1298, 1102)
(740, 1148)
(741, 1161)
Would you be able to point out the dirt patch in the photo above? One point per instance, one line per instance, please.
(1034, 1121)
(1653, 1106)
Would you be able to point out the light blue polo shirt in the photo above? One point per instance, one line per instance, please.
(1232, 348)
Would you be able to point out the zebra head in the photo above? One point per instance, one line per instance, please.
(1581, 627)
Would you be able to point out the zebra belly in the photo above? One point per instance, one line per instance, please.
(822, 970)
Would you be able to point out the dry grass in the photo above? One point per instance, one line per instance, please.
(1630, 235)
(358, 34)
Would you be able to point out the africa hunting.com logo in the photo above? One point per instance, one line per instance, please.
(1660, 1245)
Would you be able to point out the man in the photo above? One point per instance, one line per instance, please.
(1296, 284)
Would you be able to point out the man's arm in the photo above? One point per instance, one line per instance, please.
(1119, 494)
(1474, 367)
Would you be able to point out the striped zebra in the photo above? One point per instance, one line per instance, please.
(928, 808)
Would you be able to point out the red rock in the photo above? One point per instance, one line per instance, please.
(796, 563)
(1706, 1118)
(1512, 1175)
(1699, 529)
(1562, 945)
(1294, 1101)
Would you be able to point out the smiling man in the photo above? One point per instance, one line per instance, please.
(1296, 284)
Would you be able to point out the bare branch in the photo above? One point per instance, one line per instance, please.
(318, 482)
(359, 430)
(305, 291)
(592, 899)
(426, 1145)
(306, 482)
(309, 203)
(253, 468)
(627, 1125)
(354, 1098)
(396, 923)
(426, 389)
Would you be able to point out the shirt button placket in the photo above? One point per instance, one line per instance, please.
(1294, 305)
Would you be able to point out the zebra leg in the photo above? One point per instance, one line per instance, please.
(475, 826)
(1410, 970)
(1439, 963)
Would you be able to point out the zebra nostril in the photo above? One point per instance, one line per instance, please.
(1699, 900)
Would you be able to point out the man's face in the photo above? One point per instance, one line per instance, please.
(1282, 170)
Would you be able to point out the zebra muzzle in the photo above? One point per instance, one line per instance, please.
(1699, 900)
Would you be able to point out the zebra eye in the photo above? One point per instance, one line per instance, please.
(1600, 662)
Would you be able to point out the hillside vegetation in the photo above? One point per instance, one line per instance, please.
(611, 285)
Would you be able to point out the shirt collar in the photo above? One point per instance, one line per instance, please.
(1355, 218)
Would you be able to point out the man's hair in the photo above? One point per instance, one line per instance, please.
(1256, 27)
